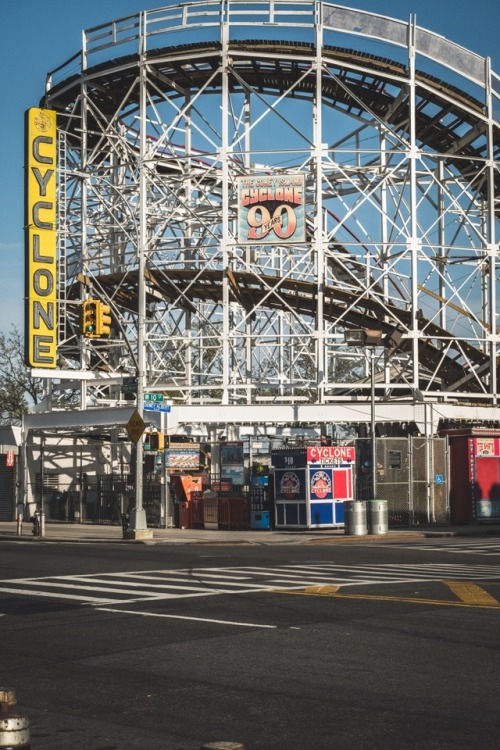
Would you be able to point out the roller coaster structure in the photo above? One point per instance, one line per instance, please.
(395, 131)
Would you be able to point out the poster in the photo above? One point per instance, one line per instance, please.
(271, 209)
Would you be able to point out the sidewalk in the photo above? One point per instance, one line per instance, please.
(94, 533)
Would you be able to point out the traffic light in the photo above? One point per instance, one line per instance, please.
(104, 319)
(89, 319)
(154, 441)
(157, 441)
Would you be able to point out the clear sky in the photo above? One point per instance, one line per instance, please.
(38, 35)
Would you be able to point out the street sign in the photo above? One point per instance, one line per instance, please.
(157, 407)
(135, 426)
(157, 397)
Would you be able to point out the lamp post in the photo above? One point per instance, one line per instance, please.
(368, 338)
(373, 422)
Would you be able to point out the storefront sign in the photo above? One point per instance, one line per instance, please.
(331, 454)
(41, 239)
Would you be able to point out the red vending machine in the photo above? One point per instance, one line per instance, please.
(474, 475)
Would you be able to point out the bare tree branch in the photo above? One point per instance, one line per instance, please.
(18, 390)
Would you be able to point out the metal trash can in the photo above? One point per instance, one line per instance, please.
(378, 517)
(355, 518)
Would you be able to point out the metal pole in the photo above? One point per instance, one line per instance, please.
(138, 513)
(163, 479)
(374, 451)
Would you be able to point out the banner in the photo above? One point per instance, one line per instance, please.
(271, 209)
(41, 239)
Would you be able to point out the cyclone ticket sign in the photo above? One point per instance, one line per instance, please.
(271, 209)
(321, 485)
(290, 484)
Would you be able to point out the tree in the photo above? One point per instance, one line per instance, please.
(17, 388)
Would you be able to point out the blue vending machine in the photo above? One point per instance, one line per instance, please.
(260, 511)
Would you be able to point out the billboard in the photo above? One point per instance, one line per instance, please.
(182, 456)
(232, 463)
(41, 238)
(271, 209)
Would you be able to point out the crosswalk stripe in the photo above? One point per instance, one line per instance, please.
(50, 594)
(157, 585)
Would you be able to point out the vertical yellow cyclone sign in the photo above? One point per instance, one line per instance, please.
(41, 238)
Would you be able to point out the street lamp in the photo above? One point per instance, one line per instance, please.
(368, 338)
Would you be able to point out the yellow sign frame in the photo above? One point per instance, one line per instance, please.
(41, 238)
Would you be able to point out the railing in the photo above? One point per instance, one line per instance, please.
(136, 33)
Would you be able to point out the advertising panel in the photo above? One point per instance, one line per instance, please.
(232, 463)
(484, 462)
(290, 484)
(182, 456)
(41, 238)
(320, 484)
(271, 209)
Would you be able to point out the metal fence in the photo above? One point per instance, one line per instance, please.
(412, 475)
(76, 484)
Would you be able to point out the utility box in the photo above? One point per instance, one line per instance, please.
(260, 519)
(474, 475)
(187, 488)
(311, 485)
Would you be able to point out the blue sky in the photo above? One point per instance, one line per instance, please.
(36, 37)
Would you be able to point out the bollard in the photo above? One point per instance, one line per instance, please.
(14, 724)
(222, 746)
(20, 524)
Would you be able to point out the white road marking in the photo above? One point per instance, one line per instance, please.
(185, 617)
(162, 585)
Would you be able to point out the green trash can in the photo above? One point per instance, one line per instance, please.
(355, 517)
(378, 517)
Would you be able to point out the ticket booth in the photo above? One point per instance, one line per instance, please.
(474, 475)
(311, 485)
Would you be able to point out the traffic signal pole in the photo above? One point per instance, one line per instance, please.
(138, 528)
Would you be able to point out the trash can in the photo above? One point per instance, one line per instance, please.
(378, 517)
(355, 517)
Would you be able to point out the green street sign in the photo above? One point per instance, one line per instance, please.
(156, 397)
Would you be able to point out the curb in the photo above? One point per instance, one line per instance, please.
(391, 536)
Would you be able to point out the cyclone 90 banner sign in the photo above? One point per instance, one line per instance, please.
(271, 209)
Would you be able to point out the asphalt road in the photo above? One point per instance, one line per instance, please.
(288, 647)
